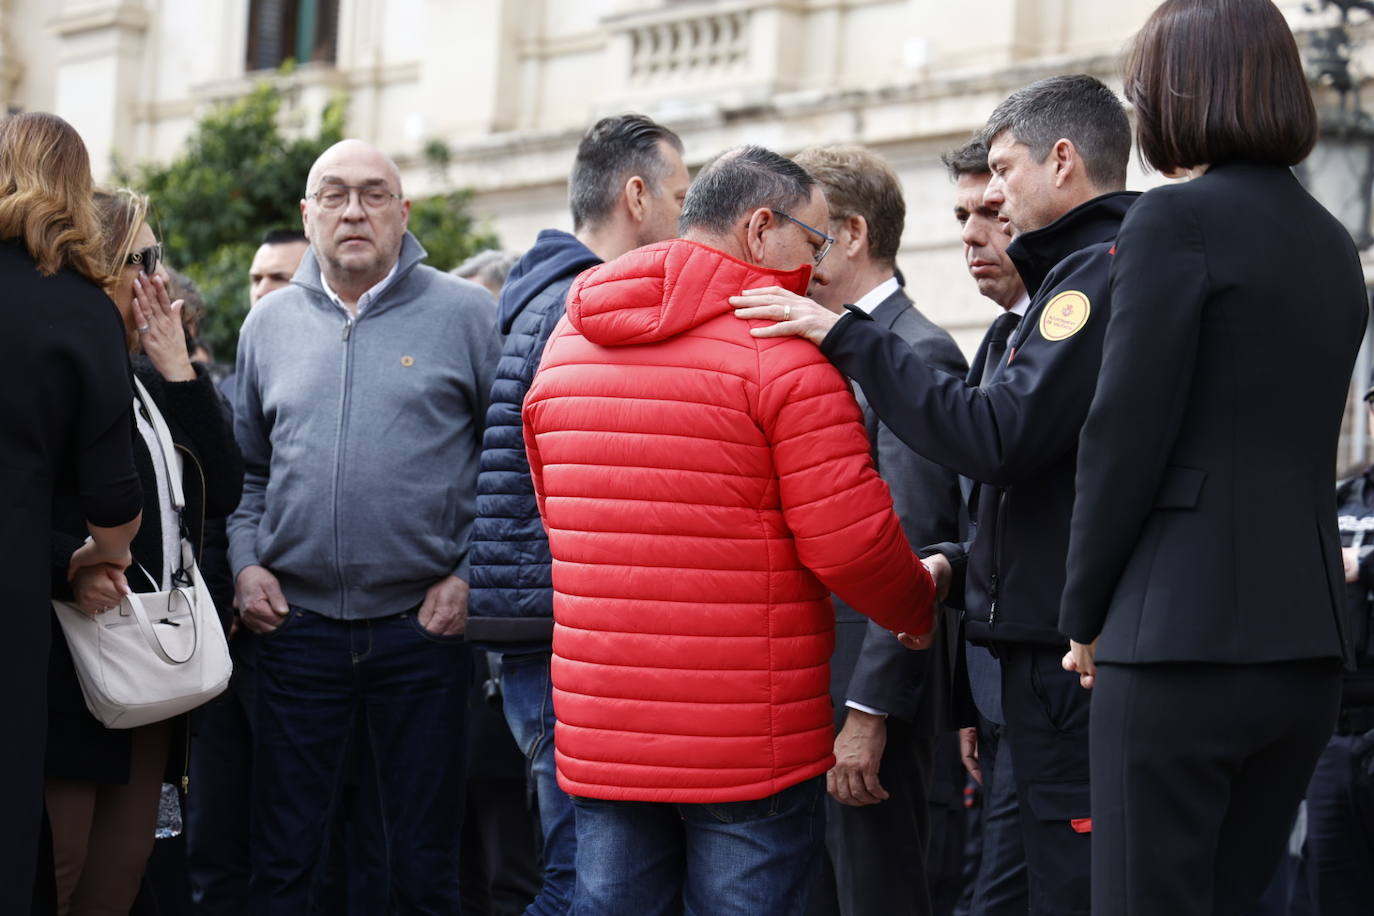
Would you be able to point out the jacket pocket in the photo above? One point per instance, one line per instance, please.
(1180, 487)
(1068, 802)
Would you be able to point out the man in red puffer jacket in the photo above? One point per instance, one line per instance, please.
(704, 491)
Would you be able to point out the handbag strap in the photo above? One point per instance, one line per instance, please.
(145, 625)
(164, 439)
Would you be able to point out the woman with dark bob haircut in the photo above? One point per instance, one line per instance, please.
(65, 420)
(1205, 583)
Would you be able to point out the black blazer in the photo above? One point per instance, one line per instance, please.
(869, 666)
(1205, 523)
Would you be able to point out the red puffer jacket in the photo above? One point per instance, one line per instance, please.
(704, 491)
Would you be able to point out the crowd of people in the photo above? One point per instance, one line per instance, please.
(681, 564)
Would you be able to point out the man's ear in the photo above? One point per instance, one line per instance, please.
(855, 239)
(1067, 162)
(760, 221)
(636, 197)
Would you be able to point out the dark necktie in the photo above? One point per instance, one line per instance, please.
(1001, 332)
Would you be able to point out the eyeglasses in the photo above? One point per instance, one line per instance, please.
(145, 258)
(335, 196)
(827, 240)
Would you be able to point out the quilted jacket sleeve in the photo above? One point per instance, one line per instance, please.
(837, 507)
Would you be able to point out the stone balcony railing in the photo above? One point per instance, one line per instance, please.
(690, 50)
(728, 52)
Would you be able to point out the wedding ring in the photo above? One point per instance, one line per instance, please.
(143, 329)
(787, 312)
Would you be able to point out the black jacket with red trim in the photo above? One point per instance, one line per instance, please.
(1017, 435)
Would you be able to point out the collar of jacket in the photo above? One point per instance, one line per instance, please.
(1095, 221)
(554, 256)
(664, 289)
(412, 253)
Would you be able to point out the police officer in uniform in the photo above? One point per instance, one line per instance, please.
(1058, 151)
(1339, 854)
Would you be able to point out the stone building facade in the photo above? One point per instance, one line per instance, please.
(505, 87)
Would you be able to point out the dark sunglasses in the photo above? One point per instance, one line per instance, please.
(145, 259)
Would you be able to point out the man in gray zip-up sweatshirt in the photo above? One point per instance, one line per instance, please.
(361, 396)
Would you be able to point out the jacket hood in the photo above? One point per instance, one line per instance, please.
(661, 290)
(555, 256)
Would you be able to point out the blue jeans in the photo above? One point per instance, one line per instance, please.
(747, 858)
(528, 703)
(408, 688)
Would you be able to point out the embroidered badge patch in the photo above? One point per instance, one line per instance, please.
(1064, 315)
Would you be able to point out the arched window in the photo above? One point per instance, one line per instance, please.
(303, 30)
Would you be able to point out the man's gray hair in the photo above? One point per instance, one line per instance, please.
(1079, 109)
(741, 181)
(612, 151)
(488, 268)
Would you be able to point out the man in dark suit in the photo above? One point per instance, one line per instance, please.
(999, 885)
(890, 702)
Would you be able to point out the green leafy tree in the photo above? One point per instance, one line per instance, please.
(445, 226)
(241, 176)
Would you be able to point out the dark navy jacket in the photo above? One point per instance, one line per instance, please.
(1017, 435)
(511, 601)
(1355, 515)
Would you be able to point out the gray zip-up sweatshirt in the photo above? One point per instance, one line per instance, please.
(361, 437)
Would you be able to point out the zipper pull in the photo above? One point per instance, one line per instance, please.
(348, 328)
(992, 612)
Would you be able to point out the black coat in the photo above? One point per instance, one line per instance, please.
(64, 402)
(79, 747)
(1018, 433)
(868, 665)
(1205, 526)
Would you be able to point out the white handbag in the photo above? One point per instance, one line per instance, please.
(158, 654)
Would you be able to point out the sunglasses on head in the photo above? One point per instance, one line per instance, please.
(145, 259)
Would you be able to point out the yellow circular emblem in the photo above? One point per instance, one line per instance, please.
(1064, 315)
(407, 361)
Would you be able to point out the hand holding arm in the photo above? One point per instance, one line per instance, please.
(109, 546)
(96, 589)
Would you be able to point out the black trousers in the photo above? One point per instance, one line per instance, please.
(879, 851)
(1197, 772)
(874, 860)
(1340, 827)
(1047, 732)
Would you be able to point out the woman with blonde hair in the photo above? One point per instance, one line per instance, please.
(65, 415)
(103, 785)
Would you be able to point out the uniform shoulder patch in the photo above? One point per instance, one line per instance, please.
(1065, 315)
